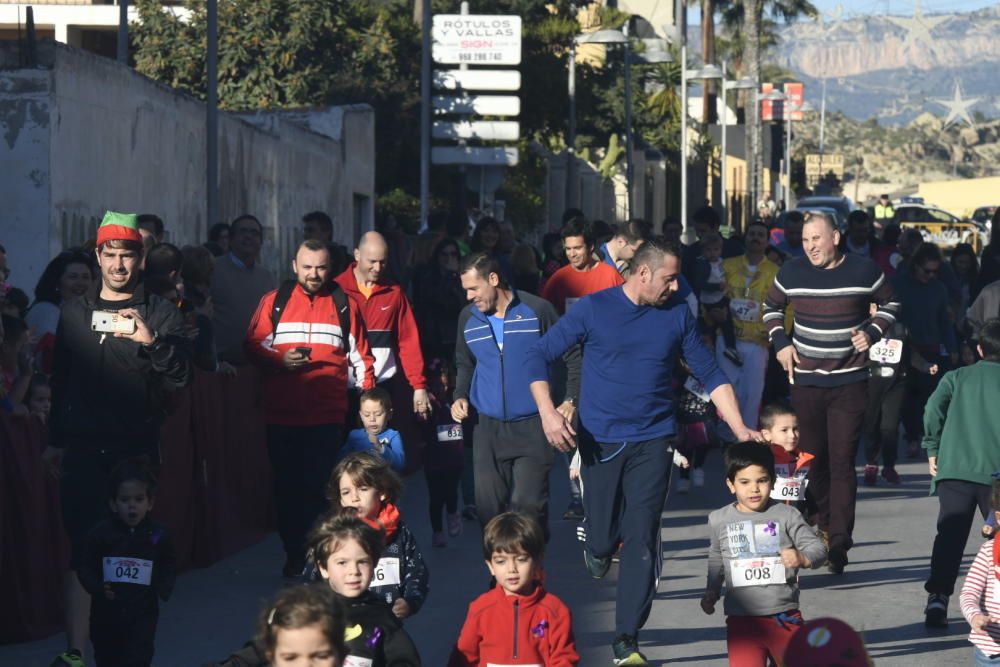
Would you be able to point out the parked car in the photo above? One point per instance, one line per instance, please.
(940, 227)
(842, 206)
(984, 216)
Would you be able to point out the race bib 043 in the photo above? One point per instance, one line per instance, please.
(788, 488)
(123, 570)
(386, 572)
(756, 571)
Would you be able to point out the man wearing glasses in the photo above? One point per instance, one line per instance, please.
(238, 283)
(826, 359)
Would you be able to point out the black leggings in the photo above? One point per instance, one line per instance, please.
(885, 402)
(442, 489)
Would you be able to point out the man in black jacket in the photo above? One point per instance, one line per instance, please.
(109, 392)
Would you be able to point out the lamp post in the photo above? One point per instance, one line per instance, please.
(745, 83)
(706, 73)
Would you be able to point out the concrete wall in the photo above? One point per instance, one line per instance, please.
(961, 197)
(114, 139)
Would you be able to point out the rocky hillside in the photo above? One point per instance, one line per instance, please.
(891, 67)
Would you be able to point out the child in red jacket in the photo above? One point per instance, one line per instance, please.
(517, 622)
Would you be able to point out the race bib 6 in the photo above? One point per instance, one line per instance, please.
(386, 572)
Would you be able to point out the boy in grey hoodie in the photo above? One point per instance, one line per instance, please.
(757, 546)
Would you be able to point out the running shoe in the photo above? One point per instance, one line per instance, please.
(698, 477)
(871, 475)
(837, 560)
(597, 567)
(626, 652)
(439, 540)
(574, 512)
(890, 475)
(70, 658)
(936, 611)
(469, 513)
(454, 524)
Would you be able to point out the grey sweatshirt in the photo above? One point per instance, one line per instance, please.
(749, 539)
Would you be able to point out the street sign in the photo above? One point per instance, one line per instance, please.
(818, 166)
(483, 105)
(477, 79)
(795, 95)
(480, 129)
(476, 39)
(483, 156)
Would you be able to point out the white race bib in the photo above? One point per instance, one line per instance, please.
(386, 572)
(886, 351)
(122, 570)
(745, 310)
(355, 661)
(756, 571)
(696, 388)
(788, 488)
(449, 433)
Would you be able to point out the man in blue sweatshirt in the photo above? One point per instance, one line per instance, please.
(631, 337)
(511, 457)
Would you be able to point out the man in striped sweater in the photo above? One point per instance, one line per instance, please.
(826, 361)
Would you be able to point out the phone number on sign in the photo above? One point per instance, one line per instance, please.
(480, 57)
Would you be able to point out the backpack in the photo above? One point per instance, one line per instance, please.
(339, 303)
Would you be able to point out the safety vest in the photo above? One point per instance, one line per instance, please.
(884, 212)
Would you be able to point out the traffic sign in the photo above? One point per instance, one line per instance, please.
(476, 39)
(480, 129)
(477, 79)
(483, 105)
(818, 166)
(483, 156)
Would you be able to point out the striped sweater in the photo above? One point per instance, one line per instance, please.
(828, 305)
(979, 596)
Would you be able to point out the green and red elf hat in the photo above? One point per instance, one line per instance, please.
(118, 227)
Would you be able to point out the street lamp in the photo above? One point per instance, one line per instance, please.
(745, 83)
(706, 73)
(597, 37)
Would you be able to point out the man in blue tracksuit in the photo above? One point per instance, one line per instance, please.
(631, 338)
(511, 456)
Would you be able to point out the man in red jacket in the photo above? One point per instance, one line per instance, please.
(305, 356)
(388, 318)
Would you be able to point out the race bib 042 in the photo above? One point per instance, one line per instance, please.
(886, 351)
(124, 570)
(386, 572)
(756, 571)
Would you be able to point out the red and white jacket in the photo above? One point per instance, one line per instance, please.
(316, 393)
(391, 328)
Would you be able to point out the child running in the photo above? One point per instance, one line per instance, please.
(366, 484)
(127, 565)
(345, 549)
(374, 436)
(444, 456)
(517, 622)
(980, 597)
(780, 428)
(757, 546)
(303, 626)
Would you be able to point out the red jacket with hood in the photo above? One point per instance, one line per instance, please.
(317, 392)
(391, 328)
(502, 629)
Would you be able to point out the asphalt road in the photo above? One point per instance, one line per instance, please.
(881, 594)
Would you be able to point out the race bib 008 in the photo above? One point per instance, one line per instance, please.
(886, 351)
(386, 572)
(122, 570)
(756, 571)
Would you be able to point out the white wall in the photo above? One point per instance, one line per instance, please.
(117, 140)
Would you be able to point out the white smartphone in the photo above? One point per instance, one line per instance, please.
(104, 321)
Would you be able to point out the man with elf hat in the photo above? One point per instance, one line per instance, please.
(118, 353)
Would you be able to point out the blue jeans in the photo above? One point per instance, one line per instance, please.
(983, 660)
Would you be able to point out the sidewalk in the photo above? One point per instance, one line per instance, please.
(213, 610)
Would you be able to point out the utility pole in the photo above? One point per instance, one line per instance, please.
(123, 32)
(212, 117)
(425, 113)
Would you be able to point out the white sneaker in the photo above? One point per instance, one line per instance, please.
(698, 477)
(684, 486)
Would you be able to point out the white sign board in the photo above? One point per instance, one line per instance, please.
(477, 79)
(476, 39)
(503, 130)
(483, 156)
(482, 105)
